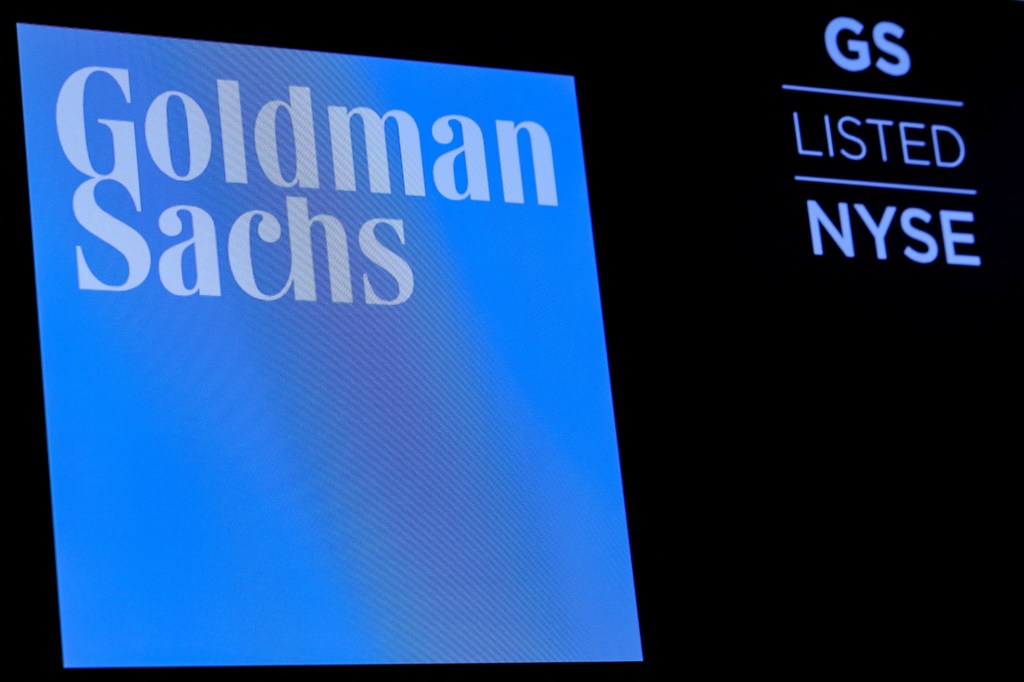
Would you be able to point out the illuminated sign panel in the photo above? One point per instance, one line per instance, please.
(873, 152)
(323, 359)
(882, 145)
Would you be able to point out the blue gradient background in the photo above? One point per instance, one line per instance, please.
(240, 482)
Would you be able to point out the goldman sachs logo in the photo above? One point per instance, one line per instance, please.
(459, 173)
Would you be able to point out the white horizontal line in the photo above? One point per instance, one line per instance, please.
(876, 95)
(886, 185)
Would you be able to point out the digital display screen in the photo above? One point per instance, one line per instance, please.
(323, 359)
(884, 163)
(807, 226)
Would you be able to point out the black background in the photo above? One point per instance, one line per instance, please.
(816, 451)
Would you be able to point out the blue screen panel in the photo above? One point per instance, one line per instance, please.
(324, 367)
